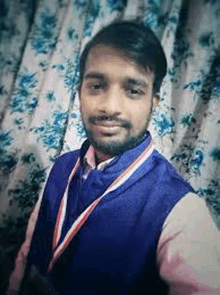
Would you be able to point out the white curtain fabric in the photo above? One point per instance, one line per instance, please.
(40, 44)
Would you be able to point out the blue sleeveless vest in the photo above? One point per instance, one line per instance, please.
(115, 250)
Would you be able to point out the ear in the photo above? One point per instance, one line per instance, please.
(156, 99)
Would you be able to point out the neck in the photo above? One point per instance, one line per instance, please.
(101, 157)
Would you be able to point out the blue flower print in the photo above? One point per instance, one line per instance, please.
(5, 139)
(94, 10)
(18, 122)
(164, 124)
(71, 34)
(211, 193)
(116, 5)
(80, 4)
(216, 89)
(8, 160)
(189, 158)
(187, 120)
(152, 14)
(43, 38)
(52, 133)
(206, 39)
(28, 158)
(74, 115)
(197, 160)
(80, 130)
(21, 104)
(50, 96)
(194, 85)
(27, 190)
(22, 100)
(215, 154)
(69, 71)
(26, 80)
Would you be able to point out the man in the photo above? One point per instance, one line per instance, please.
(115, 216)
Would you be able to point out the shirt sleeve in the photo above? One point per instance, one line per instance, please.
(17, 274)
(21, 260)
(188, 253)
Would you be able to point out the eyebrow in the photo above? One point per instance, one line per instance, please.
(94, 75)
(130, 80)
(136, 82)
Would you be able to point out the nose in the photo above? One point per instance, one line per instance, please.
(111, 102)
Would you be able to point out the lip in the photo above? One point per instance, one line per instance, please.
(107, 127)
(109, 124)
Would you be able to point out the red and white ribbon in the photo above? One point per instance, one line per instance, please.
(57, 251)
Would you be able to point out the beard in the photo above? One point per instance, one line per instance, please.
(114, 147)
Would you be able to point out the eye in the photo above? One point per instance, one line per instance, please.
(134, 92)
(95, 86)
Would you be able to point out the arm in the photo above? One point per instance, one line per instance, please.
(188, 253)
(57, 176)
(20, 262)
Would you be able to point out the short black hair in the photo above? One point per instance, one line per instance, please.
(135, 41)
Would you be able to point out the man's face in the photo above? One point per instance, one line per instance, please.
(116, 99)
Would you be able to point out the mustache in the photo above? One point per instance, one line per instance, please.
(110, 118)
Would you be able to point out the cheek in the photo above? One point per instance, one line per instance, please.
(88, 104)
(84, 110)
(140, 115)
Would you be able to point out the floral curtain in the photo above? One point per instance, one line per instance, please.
(40, 44)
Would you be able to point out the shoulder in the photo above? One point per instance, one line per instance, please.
(67, 158)
(160, 160)
(188, 234)
(189, 210)
(63, 165)
(167, 173)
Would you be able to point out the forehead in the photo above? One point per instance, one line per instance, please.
(113, 63)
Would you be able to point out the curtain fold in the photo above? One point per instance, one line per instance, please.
(40, 44)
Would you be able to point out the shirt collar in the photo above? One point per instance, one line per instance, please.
(90, 163)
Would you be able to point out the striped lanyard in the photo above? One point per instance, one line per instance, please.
(58, 250)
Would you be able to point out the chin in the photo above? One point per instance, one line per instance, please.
(114, 147)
